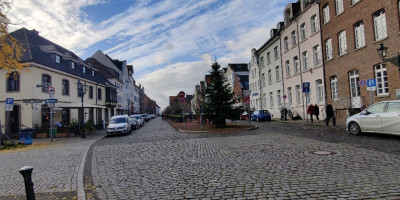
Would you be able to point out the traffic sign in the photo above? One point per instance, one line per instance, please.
(371, 84)
(182, 100)
(306, 87)
(51, 90)
(181, 94)
(284, 96)
(9, 104)
(362, 83)
(47, 101)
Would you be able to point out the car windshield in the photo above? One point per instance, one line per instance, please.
(144, 115)
(136, 117)
(118, 120)
(264, 111)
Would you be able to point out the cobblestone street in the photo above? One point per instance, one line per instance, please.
(157, 162)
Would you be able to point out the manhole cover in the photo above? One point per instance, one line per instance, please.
(323, 152)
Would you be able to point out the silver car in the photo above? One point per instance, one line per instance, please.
(381, 117)
(139, 119)
(119, 124)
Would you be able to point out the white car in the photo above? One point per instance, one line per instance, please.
(381, 117)
(134, 123)
(119, 124)
(139, 119)
(145, 117)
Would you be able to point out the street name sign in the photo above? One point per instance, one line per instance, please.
(47, 101)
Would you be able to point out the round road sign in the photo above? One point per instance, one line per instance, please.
(181, 94)
(51, 90)
(284, 96)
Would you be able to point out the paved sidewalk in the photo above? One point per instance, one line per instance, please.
(57, 167)
(341, 125)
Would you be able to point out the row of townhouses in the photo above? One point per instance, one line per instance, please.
(331, 45)
(107, 86)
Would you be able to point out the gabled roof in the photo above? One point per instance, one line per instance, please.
(244, 81)
(39, 50)
(103, 70)
(238, 67)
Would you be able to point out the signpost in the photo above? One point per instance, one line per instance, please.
(306, 90)
(9, 104)
(181, 96)
(371, 87)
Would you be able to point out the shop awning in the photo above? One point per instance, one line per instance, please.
(77, 105)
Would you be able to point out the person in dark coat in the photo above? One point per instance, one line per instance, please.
(310, 111)
(330, 114)
(316, 112)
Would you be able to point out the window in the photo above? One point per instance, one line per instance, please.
(66, 115)
(271, 99)
(293, 35)
(359, 35)
(393, 107)
(296, 65)
(381, 80)
(277, 76)
(261, 61)
(342, 43)
(57, 59)
(326, 14)
(278, 97)
(13, 82)
(298, 95)
(303, 31)
(354, 1)
(46, 79)
(268, 58)
(99, 93)
(92, 72)
(305, 60)
(339, 7)
(263, 79)
(334, 88)
(317, 55)
(289, 89)
(320, 90)
(84, 69)
(380, 25)
(269, 77)
(314, 24)
(72, 65)
(287, 64)
(90, 92)
(354, 87)
(65, 87)
(328, 49)
(285, 43)
(308, 96)
(377, 108)
(276, 53)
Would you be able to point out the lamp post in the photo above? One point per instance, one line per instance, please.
(82, 89)
(129, 107)
(382, 52)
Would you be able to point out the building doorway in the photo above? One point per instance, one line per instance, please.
(15, 120)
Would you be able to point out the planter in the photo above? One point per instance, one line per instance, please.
(62, 135)
(41, 135)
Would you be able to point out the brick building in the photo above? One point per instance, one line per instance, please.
(352, 30)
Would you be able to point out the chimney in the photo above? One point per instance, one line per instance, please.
(35, 31)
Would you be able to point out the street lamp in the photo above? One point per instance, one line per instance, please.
(382, 52)
(82, 89)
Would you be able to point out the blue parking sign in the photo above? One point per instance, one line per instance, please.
(371, 83)
(306, 87)
(10, 101)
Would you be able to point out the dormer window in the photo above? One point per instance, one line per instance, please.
(72, 65)
(92, 72)
(84, 69)
(58, 59)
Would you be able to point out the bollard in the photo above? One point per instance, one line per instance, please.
(27, 174)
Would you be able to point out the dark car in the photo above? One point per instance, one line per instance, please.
(261, 115)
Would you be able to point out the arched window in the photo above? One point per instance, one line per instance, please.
(13, 82)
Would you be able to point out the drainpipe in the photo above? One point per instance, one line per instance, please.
(300, 66)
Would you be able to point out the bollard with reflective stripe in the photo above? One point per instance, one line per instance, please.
(27, 174)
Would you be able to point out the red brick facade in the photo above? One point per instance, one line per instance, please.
(362, 59)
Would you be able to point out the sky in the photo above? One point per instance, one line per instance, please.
(170, 43)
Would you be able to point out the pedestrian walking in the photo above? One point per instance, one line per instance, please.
(284, 114)
(330, 114)
(310, 111)
(316, 112)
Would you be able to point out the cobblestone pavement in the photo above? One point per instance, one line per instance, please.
(55, 168)
(275, 161)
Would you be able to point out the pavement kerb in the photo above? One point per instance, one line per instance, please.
(80, 184)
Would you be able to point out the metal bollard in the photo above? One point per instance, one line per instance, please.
(27, 174)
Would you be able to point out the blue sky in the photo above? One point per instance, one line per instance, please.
(170, 43)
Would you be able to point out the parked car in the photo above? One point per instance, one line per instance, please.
(145, 117)
(261, 115)
(152, 116)
(139, 119)
(244, 116)
(119, 124)
(381, 117)
(134, 123)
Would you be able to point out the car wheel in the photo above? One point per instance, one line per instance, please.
(354, 128)
(258, 119)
